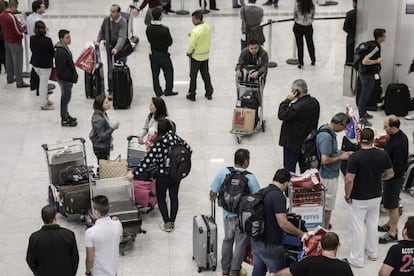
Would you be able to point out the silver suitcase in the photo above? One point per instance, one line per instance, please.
(205, 240)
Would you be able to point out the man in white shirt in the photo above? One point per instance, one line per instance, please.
(38, 9)
(102, 240)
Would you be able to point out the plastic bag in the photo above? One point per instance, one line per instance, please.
(86, 60)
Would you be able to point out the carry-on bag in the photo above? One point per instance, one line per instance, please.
(145, 193)
(397, 99)
(113, 168)
(205, 240)
(94, 83)
(123, 89)
(75, 199)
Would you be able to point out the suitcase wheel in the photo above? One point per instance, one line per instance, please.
(199, 270)
(213, 268)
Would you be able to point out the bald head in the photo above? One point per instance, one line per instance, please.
(391, 124)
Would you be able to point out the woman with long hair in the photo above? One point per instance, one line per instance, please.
(304, 14)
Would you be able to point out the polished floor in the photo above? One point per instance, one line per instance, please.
(204, 124)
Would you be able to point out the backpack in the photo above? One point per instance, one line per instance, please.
(361, 51)
(310, 156)
(178, 162)
(74, 174)
(252, 214)
(234, 187)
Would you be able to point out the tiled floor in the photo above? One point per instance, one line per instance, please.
(204, 124)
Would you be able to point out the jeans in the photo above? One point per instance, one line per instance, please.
(161, 60)
(363, 213)
(307, 31)
(164, 183)
(201, 66)
(66, 88)
(267, 257)
(367, 85)
(14, 62)
(291, 157)
(44, 75)
(232, 235)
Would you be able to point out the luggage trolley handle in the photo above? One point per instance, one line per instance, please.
(213, 209)
(46, 148)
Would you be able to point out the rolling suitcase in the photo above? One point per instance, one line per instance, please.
(75, 199)
(145, 193)
(123, 90)
(374, 98)
(94, 83)
(205, 240)
(397, 99)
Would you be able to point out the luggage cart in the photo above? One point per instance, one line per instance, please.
(120, 194)
(250, 90)
(68, 198)
(309, 204)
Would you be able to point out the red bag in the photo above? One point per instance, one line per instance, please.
(86, 60)
(248, 259)
(145, 194)
(53, 75)
(312, 246)
(309, 180)
(381, 141)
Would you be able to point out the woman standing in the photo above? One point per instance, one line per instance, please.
(42, 61)
(158, 111)
(102, 128)
(304, 14)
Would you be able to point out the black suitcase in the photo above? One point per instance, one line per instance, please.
(123, 90)
(375, 97)
(397, 99)
(76, 199)
(94, 83)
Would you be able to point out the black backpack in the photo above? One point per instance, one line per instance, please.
(74, 174)
(361, 51)
(252, 214)
(310, 156)
(234, 187)
(178, 162)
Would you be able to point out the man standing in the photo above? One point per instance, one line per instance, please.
(300, 115)
(38, 9)
(350, 28)
(326, 264)
(247, 183)
(102, 240)
(397, 149)
(366, 168)
(254, 59)
(199, 51)
(13, 31)
(52, 250)
(268, 252)
(114, 31)
(250, 15)
(67, 76)
(331, 158)
(368, 73)
(160, 39)
(399, 257)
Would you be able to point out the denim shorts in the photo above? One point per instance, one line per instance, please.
(268, 257)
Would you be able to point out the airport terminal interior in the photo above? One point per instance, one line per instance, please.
(204, 124)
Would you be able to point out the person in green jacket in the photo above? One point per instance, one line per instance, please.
(199, 50)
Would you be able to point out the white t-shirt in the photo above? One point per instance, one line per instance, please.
(104, 237)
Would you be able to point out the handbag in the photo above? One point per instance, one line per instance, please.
(126, 50)
(53, 75)
(113, 168)
(253, 32)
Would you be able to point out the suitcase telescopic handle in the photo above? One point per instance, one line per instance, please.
(213, 209)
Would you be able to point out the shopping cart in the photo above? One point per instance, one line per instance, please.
(249, 98)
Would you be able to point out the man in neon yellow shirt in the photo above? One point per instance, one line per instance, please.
(199, 50)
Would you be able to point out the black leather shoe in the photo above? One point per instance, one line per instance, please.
(208, 97)
(172, 93)
(11, 81)
(190, 97)
(71, 118)
(69, 123)
(23, 85)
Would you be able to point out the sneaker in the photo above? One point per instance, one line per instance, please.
(47, 107)
(368, 116)
(172, 225)
(190, 97)
(384, 228)
(372, 258)
(71, 118)
(365, 122)
(165, 227)
(69, 123)
(387, 237)
(409, 117)
(50, 103)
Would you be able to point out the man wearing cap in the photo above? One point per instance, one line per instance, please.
(367, 168)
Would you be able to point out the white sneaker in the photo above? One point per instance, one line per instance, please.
(409, 117)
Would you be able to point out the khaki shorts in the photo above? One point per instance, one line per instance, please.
(331, 186)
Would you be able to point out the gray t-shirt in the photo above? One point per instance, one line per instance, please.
(327, 144)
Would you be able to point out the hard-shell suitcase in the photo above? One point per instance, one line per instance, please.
(145, 193)
(123, 90)
(374, 98)
(94, 83)
(205, 240)
(397, 99)
(75, 199)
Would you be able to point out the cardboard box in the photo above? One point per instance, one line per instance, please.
(243, 119)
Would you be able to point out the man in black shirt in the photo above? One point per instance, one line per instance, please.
(52, 250)
(300, 115)
(324, 265)
(160, 39)
(366, 168)
(399, 259)
(350, 28)
(368, 73)
(268, 252)
(252, 60)
(397, 149)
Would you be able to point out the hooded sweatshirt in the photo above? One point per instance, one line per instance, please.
(65, 69)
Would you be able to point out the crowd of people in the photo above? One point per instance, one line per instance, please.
(372, 175)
